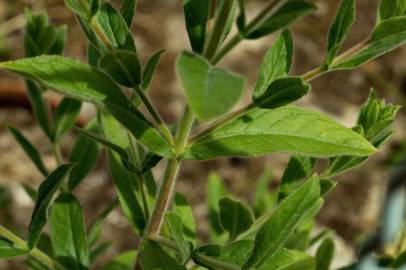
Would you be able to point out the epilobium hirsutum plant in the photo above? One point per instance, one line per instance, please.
(270, 234)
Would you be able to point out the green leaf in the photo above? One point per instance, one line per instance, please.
(285, 129)
(85, 153)
(175, 228)
(153, 257)
(340, 28)
(149, 69)
(8, 250)
(281, 92)
(68, 234)
(298, 169)
(29, 149)
(99, 250)
(127, 11)
(210, 91)
(80, 7)
(326, 185)
(275, 64)
(94, 230)
(86, 83)
(235, 216)
(184, 211)
(388, 35)
(45, 193)
(285, 15)
(196, 16)
(215, 191)
(391, 8)
(283, 222)
(289, 260)
(65, 116)
(124, 261)
(125, 182)
(122, 66)
(325, 254)
(264, 199)
(241, 18)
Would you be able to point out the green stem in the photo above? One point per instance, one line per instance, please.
(36, 253)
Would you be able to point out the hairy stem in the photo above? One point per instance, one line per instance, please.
(35, 253)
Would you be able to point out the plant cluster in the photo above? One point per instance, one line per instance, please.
(274, 232)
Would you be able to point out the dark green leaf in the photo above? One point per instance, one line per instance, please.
(65, 116)
(280, 19)
(241, 19)
(68, 233)
(85, 153)
(95, 228)
(282, 223)
(153, 257)
(127, 11)
(215, 191)
(93, 55)
(184, 211)
(235, 216)
(196, 16)
(340, 28)
(298, 169)
(275, 64)
(388, 35)
(285, 129)
(45, 193)
(149, 69)
(326, 185)
(175, 228)
(281, 92)
(289, 260)
(122, 66)
(124, 261)
(210, 91)
(29, 149)
(8, 250)
(150, 161)
(325, 254)
(86, 83)
(391, 8)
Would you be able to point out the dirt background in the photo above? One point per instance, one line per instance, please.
(352, 209)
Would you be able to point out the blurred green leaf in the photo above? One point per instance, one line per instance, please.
(325, 254)
(66, 115)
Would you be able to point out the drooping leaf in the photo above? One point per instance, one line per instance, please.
(95, 228)
(184, 211)
(280, 19)
(68, 234)
(85, 153)
(175, 228)
(122, 66)
(281, 92)
(285, 129)
(210, 91)
(65, 116)
(9, 250)
(149, 69)
(124, 261)
(282, 223)
(215, 191)
(127, 11)
(340, 28)
(235, 216)
(86, 83)
(153, 257)
(298, 169)
(275, 64)
(388, 35)
(29, 149)
(391, 8)
(45, 193)
(325, 254)
(289, 260)
(196, 16)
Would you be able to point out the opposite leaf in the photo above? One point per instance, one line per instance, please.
(275, 64)
(285, 129)
(210, 91)
(45, 193)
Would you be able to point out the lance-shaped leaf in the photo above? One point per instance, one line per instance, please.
(124, 261)
(340, 28)
(298, 169)
(235, 216)
(68, 233)
(153, 257)
(275, 64)
(285, 129)
(388, 35)
(289, 260)
(281, 92)
(391, 8)
(65, 116)
(9, 250)
(325, 254)
(122, 66)
(210, 91)
(280, 19)
(45, 193)
(196, 16)
(149, 69)
(29, 149)
(276, 230)
(127, 11)
(86, 83)
(85, 153)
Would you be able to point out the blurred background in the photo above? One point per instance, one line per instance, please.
(353, 209)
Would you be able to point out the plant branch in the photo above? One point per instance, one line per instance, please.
(36, 253)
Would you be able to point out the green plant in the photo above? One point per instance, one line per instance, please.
(274, 236)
